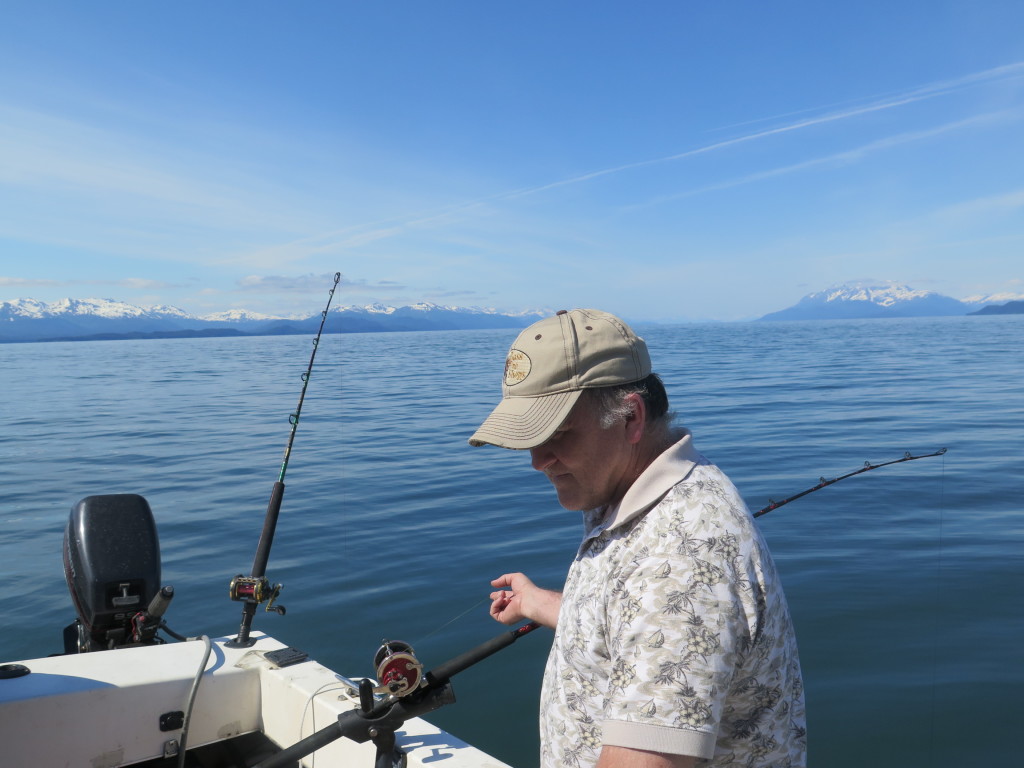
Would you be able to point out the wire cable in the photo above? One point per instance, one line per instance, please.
(192, 700)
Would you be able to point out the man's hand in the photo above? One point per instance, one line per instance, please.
(518, 598)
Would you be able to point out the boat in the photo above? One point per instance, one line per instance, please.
(122, 695)
(130, 691)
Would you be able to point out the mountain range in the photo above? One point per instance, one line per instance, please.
(877, 300)
(82, 319)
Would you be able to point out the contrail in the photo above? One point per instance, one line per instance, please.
(360, 234)
(929, 91)
(845, 156)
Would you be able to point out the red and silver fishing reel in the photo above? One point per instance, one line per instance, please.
(256, 590)
(399, 672)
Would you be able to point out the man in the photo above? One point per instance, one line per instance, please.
(673, 642)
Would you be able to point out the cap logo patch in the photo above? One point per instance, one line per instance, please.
(517, 367)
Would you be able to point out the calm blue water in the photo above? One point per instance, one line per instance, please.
(905, 582)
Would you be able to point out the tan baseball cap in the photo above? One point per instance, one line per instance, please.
(550, 364)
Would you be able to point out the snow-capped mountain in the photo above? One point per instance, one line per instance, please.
(426, 316)
(110, 309)
(238, 316)
(32, 320)
(867, 300)
(984, 300)
(27, 319)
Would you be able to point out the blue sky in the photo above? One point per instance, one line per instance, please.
(662, 160)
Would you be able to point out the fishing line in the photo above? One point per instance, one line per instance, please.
(939, 568)
(471, 608)
(331, 687)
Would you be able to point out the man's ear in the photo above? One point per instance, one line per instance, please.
(636, 422)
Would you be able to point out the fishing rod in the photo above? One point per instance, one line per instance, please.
(408, 693)
(402, 691)
(822, 483)
(255, 588)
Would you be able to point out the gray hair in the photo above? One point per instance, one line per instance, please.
(611, 405)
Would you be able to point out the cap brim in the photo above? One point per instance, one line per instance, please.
(525, 422)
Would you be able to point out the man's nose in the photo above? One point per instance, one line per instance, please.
(541, 457)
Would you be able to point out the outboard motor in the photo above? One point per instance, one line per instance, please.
(112, 567)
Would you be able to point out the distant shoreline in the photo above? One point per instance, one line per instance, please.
(217, 333)
(210, 333)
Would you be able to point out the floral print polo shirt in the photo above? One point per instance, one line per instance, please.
(674, 635)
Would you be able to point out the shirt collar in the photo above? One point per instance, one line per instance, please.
(671, 466)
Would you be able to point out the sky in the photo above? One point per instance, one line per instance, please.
(665, 161)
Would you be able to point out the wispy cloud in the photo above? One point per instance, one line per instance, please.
(848, 156)
(48, 152)
(309, 283)
(365, 286)
(357, 236)
(135, 283)
(354, 237)
(284, 283)
(983, 207)
(102, 176)
(229, 212)
(23, 282)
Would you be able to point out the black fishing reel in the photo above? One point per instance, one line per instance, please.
(399, 672)
(256, 590)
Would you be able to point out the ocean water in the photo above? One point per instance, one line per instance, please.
(905, 582)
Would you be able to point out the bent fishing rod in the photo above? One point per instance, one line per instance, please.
(255, 588)
(402, 691)
(823, 483)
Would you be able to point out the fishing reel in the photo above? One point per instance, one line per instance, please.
(399, 672)
(257, 590)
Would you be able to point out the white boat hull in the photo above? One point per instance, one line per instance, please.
(104, 709)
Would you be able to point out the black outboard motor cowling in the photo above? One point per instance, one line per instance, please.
(112, 567)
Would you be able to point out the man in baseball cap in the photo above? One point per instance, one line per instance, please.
(672, 624)
(551, 364)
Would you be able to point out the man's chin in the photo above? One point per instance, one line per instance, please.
(571, 502)
(570, 495)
